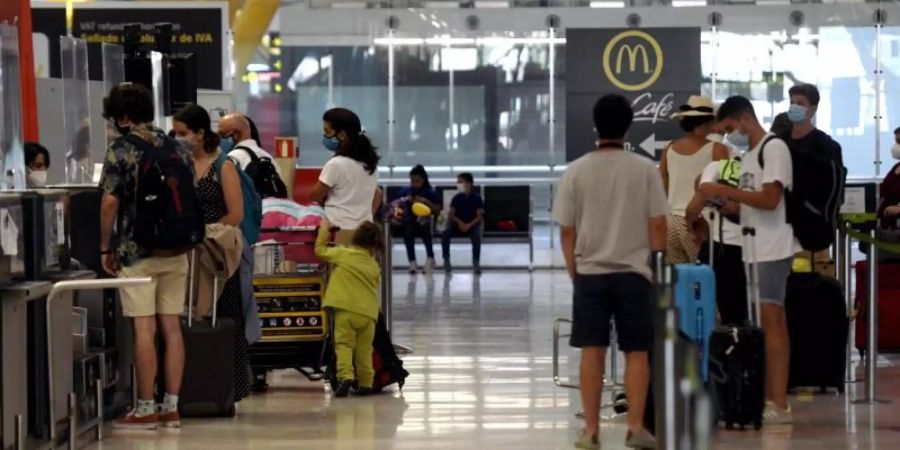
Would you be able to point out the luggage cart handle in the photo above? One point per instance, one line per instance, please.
(556, 378)
(55, 293)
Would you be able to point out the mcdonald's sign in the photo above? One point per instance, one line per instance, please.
(656, 69)
(642, 67)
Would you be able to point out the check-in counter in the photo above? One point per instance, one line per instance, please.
(14, 300)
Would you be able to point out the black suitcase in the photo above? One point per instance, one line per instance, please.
(738, 359)
(818, 326)
(207, 389)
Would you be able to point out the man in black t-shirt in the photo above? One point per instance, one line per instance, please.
(804, 136)
(465, 219)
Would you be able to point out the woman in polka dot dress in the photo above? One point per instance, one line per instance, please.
(220, 198)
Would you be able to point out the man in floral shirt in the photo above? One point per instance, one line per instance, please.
(129, 108)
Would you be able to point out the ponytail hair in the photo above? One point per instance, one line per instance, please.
(196, 119)
(357, 146)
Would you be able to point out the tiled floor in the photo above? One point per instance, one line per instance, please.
(481, 379)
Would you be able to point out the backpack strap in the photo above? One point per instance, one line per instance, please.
(762, 162)
(249, 151)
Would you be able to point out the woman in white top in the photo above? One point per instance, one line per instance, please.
(681, 164)
(348, 184)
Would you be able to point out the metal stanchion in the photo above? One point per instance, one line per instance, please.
(55, 293)
(20, 432)
(387, 287)
(73, 421)
(99, 427)
(872, 328)
(845, 266)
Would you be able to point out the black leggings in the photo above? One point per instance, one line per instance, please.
(731, 282)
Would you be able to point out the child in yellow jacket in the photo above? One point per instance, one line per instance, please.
(353, 294)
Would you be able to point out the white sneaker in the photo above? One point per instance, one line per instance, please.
(773, 415)
(430, 265)
(413, 268)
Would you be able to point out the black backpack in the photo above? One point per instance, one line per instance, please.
(265, 177)
(168, 212)
(813, 203)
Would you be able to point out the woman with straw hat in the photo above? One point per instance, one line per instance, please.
(681, 164)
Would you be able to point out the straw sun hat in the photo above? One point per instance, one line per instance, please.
(697, 106)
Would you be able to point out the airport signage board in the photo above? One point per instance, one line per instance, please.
(198, 28)
(657, 69)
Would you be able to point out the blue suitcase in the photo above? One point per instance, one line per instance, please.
(695, 299)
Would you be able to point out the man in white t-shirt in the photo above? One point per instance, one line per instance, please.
(766, 172)
(237, 139)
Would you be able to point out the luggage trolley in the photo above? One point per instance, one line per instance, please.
(289, 285)
(619, 403)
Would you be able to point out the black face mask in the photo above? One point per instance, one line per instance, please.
(122, 130)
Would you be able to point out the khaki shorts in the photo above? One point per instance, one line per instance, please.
(165, 295)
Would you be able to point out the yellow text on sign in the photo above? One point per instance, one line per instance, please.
(622, 54)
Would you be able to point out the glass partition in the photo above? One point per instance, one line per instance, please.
(12, 158)
(485, 91)
(76, 110)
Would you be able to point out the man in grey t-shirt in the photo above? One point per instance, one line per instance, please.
(612, 209)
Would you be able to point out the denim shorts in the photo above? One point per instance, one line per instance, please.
(623, 297)
(773, 277)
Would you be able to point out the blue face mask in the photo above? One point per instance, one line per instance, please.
(331, 143)
(227, 144)
(738, 139)
(797, 113)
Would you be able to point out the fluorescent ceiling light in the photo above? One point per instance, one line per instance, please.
(399, 41)
(688, 3)
(257, 67)
(486, 4)
(447, 40)
(519, 40)
(608, 4)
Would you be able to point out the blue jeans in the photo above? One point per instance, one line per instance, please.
(474, 235)
(411, 230)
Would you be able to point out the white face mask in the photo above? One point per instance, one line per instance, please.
(36, 178)
(716, 137)
(895, 151)
(185, 142)
(461, 188)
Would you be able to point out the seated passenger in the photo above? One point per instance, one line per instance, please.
(353, 294)
(419, 191)
(37, 162)
(465, 219)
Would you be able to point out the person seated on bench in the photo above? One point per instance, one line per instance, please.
(419, 191)
(464, 219)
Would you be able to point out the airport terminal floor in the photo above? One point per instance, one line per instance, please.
(481, 378)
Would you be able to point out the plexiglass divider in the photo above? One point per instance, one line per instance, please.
(113, 57)
(76, 110)
(12, 158)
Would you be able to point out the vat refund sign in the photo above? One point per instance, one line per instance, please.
(657, 69)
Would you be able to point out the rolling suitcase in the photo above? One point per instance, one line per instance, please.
(207, 389)
(818, 325)
(738, 357)
(695, 300)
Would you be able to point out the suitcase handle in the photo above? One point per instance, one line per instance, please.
(751, 267)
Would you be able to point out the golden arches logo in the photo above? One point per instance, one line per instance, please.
(631, 55)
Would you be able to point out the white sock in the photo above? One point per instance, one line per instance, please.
(145, 408)
(170, 403)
